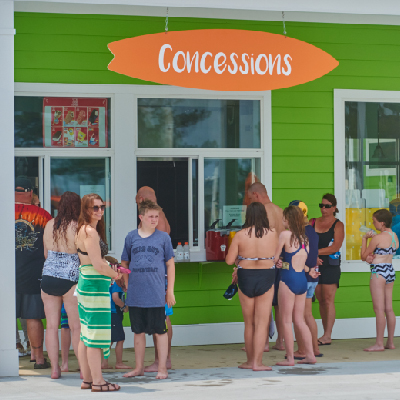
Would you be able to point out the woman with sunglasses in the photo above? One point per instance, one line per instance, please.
(331, 235)
(94, 305)
(60, 276)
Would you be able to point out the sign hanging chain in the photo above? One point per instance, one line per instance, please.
(166, 22)
(283, 20)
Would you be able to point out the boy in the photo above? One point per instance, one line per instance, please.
(145, 252)
(118, 307)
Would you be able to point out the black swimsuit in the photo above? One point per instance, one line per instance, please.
(255, 282)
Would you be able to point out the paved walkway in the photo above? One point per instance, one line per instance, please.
(345, 372)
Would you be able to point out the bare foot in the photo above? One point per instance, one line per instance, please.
(308, 360)
(135, 372)
(122, 366)
(261, 367)
(106, 366)
(152, 368)
(169, 364)
(298, 354)
(285, 363)
(375, 347)
(279, 347)
(64, 368)
(245, 365)
(243, 349)
(390, 346)
(266, 348)
(162, 374)
(56, 373)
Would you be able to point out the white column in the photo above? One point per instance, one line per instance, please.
(8, 353)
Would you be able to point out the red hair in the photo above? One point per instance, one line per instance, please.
(85, 218)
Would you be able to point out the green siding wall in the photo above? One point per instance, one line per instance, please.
(62, 48)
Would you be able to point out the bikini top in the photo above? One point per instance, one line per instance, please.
(384, 251)
(240, 258)
(103, 249)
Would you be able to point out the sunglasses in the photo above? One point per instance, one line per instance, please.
(322, 205)
(97, 208)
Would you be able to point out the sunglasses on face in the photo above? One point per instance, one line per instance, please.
(322, 205)
(97, 208)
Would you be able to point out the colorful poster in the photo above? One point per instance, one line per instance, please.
(75, 122)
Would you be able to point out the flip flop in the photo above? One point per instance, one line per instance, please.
(45, 365)
(319, 355)
(324, 344)
(297, 358)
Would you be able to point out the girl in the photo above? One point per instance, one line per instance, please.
(380, 251)
(293, 283)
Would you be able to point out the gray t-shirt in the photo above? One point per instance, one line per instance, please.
(147, 258)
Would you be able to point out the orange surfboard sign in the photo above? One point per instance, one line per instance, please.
(220, 59)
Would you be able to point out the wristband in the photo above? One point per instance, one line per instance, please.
(123, 308)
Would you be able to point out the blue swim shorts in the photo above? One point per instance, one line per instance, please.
(311, 289)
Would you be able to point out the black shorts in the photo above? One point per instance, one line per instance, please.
(56, 286)
(117, 330)
(29, 306)
(148, 320)
(330, 275)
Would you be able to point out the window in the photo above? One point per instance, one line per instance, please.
(198, 123)
(225, 184)
(204, 153)
(62, 122)
(63, 144)
(372, 143)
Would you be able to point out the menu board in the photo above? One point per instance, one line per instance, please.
(75, 122)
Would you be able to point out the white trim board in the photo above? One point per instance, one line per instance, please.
(359, 15)
(232, 332)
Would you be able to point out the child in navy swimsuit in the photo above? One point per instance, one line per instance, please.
(380, 252)
(293, 284)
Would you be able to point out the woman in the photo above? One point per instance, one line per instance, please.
(293, 283)
(94, 304)
(60, 275)
(331, 235)
(253, 247)
(382, 246)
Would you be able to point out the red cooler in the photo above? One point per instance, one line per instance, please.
(216, 243)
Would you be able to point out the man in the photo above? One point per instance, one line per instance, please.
(30, 221)
(147, 193)
(258, 193)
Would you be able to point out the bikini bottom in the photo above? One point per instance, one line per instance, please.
(255, 282)
(385, 270)
(56, 286)
(295, 281)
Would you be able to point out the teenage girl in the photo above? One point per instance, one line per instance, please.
(293, 283)
(253, 249)
(380, 252)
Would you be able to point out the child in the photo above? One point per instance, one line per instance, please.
(379, 253)
(118, 307)
(145, 252)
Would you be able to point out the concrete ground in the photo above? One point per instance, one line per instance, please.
(345, 371)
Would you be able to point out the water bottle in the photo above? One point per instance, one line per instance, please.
(186, 253)
(179, 252)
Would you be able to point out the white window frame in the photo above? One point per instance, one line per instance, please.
(124, 150)
(341, 96)
(264, 152)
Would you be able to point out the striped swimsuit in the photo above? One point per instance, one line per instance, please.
(386, 270)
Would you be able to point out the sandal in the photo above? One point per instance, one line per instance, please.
(107, 385)
(87, 383)
(45, 365)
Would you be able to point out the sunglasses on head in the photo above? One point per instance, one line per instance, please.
(97, 208)
(322, 205)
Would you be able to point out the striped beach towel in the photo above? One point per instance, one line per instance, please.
(94, 308)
